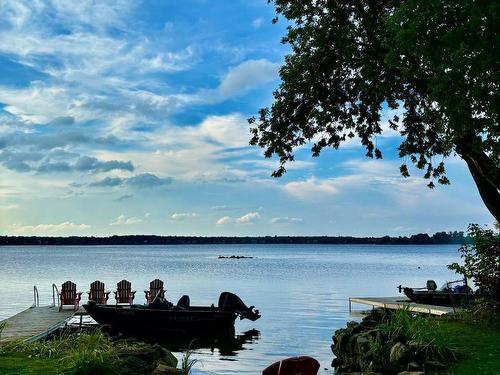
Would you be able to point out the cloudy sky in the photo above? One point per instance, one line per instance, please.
(130, 117)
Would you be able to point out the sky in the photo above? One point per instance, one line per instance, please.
(129, 117)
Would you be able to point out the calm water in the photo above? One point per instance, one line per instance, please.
(301, 290)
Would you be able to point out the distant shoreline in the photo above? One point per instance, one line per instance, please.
(440, 238)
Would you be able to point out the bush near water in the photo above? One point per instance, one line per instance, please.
(390, 343)
(88, 353)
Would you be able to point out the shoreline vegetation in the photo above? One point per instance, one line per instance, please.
(439, 238)
(402, 343)
(90, 352)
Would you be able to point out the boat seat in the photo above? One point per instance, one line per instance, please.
(184, 302)
(431, 285)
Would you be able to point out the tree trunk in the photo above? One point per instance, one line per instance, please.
(486, 177)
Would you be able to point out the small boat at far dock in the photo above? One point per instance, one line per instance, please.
(160, 316)
(453, 293)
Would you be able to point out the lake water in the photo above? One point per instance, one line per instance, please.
(301, 290)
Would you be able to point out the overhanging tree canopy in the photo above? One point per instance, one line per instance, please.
(436, 61)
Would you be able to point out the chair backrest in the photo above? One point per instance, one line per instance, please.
(431, 285)
(97, 292)
(68, 291)
(184, 302)
(156, 286)
(293, 366)
(123, 291)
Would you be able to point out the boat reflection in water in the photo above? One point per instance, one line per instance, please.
(227, 345)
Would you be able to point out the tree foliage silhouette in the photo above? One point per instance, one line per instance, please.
(436, 63)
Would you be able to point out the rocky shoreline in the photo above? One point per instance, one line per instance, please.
(369, 347)
(148, 359)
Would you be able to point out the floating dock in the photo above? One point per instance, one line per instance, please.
(395, 303)
(35, 323)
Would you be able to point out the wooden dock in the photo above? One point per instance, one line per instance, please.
(395, 303)
(35, 323)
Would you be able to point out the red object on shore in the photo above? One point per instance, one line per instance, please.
(124, 292)
(155, 291)
(97, 293)
(303, 365)
(69, 295)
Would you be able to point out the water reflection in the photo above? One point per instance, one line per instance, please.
(227, 345)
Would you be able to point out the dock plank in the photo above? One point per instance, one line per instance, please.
(395, 303)
(34, 323)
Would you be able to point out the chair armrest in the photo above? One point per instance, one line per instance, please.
(133, 292)
(79, 296)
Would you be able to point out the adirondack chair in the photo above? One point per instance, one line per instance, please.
(97, 293)
(155, 291)
(69, 295)
(124, 293)
(293, 366)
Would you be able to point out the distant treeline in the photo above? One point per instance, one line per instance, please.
(416, 239)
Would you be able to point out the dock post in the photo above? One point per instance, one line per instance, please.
(350, 306)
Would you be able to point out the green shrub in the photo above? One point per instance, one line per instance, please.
(418, 330)
(482, 261)
(89, 362)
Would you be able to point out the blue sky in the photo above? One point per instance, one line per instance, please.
(130, 117)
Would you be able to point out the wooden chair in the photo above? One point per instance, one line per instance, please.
(69, 295)
(124, 293)
(97, 293)
(155, 291)
(293, 366)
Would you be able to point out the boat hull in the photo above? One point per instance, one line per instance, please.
(438, 298)
(142, 320)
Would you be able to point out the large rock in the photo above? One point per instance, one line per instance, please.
(168, 358)
(143, 359)
(165, 369)
(414, 366)
(434, 366)
(132, 366)
(362, 343)
(399, 353)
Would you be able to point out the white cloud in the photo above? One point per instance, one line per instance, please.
(169, 61)
(230, 130)
(66, 227)
(224, 220)
(123, 220)
(247, 75)
(257, 23)
(184, 216)
(286, 220)
(311, 188)
(248, 218)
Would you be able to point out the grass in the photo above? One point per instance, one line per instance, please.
(187, 362)
(468, 343)
(20, 363)
(478, 347)
(420, 330)
(79, 354)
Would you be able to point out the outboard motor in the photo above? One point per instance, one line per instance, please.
(231, 302)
